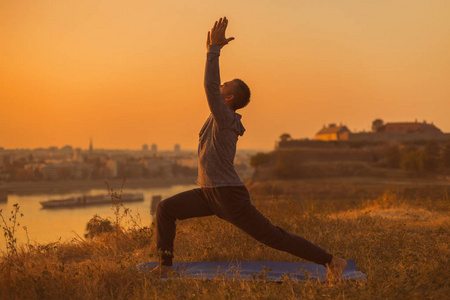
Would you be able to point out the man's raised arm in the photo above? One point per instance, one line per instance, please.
(216, 39)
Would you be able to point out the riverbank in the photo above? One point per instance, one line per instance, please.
(366, 184)
(69, 186)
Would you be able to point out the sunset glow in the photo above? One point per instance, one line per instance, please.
(129, 73)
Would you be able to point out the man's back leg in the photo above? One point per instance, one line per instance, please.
(235, 207)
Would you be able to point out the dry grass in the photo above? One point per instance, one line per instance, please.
(401, 244)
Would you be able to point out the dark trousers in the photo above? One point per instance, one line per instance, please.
(231, 203)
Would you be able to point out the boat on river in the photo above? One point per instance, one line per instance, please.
(86, 200)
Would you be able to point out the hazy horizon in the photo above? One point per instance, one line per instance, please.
(125, 149)
(128, 73)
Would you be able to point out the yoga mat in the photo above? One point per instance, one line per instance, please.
(256, 270)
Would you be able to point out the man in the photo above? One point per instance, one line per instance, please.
(221, 191)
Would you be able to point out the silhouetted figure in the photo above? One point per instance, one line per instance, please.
(221, 191)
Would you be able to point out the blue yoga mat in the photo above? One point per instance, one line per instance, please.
(256, 270)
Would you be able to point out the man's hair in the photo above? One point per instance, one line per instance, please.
(241, 94)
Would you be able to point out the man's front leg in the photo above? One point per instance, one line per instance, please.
(182, 206)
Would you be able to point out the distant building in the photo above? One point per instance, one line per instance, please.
(402, 131)
(77, 157)
(4, 176)
(91, 145)
(145, 147)
(393, 132)
(158, 167)
(82, 171)
(34, 167)
(177, 148)
(40, 153)
(154, 148)
(134, 169)
(53, 151)
(67, 149)
(50, 172)
(64, 170)
(113, 167)
(191, 162)
(410, 127)
(333, 133)
(66, 152)
(5, 159)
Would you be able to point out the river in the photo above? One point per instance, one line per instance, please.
(50, 225)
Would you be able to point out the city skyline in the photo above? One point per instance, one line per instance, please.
(132, 73)
(177, 147)
(150, 148)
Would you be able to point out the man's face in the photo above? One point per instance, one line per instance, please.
(226, 89)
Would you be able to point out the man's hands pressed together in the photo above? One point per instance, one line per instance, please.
(217, 34)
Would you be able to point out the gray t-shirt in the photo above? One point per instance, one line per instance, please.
(219, 135)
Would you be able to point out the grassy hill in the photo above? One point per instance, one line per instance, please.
(400, 242)
(319, 159)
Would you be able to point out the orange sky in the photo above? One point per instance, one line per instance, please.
(130, 72)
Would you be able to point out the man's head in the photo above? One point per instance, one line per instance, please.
(235, 93)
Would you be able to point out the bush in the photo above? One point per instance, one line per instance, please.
(393, 157)
(446, 155)
(288, 165)
(259, 159)
(97, 226)
(413, 161)
(431, 156)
